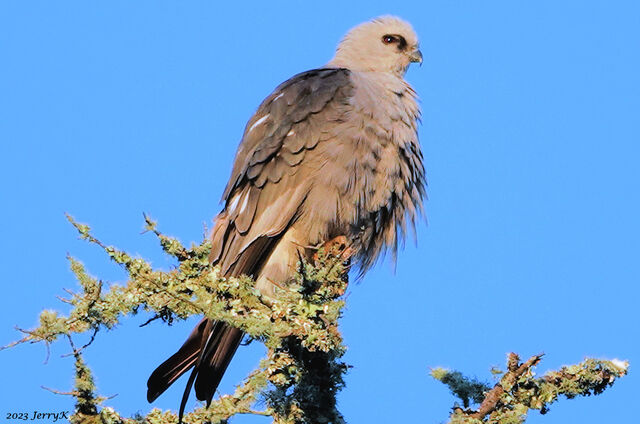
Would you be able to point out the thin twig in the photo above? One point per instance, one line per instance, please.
(150, 320)
(74, 353)
(57, 392)
(46, 358)
(17, 342)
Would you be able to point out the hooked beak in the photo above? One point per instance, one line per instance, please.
(416, 56)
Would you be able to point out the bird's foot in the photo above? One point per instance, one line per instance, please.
(337, 246)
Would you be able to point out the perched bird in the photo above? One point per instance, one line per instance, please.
(331, 152)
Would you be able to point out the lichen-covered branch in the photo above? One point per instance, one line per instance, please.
(297, 382)
(299, 378)
(509, 401)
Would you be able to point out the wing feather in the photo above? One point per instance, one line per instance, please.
(266, 192)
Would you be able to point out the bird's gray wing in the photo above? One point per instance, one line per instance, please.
(268, 184)
(266, 191)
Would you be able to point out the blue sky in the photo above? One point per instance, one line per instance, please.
(531, 135)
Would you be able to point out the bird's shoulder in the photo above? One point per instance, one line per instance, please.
(291, 119)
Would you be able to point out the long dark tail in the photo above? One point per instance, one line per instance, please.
(208, 349)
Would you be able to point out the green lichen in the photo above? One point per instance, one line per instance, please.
(519, 390)
(299, 378)
(298, 381)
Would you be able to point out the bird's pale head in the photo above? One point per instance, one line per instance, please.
(385, 44)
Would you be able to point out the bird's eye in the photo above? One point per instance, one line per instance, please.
(388, 39)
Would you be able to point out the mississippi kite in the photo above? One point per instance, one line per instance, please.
(331, 152)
